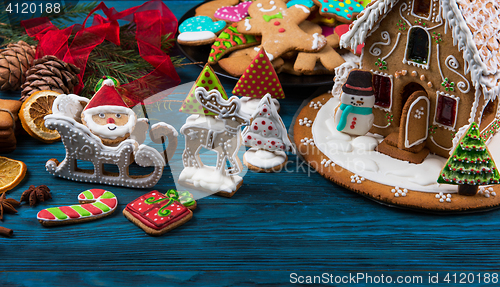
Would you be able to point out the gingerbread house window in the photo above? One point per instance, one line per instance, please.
(382, 84)
(446, 110)
(417, 50)
(422, 8)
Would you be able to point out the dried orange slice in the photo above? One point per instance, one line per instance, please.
(37, 106)
(11, 173)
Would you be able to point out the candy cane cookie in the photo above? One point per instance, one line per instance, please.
(95, 203)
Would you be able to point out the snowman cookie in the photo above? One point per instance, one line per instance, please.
(354, 115)
(199, 30)
(279, 27)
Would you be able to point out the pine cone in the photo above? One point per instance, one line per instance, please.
(50, 73)
(15, 60)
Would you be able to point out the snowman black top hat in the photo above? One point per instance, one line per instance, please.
(358, 83)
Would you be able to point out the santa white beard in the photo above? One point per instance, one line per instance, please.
(110, 131)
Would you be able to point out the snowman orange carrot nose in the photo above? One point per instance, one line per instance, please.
(111, 121)
(359, 102)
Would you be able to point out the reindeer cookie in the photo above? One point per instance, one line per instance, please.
(279, 27)
(222, 135)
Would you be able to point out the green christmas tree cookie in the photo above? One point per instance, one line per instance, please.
(259, 79)
(208, 80)
(470, 165)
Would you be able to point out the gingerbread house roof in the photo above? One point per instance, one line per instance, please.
(475, 28)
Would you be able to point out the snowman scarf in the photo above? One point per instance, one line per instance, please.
(347, 109)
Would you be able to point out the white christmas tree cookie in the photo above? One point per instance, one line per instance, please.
(267, 138)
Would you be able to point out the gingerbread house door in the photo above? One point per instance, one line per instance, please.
(413, 129)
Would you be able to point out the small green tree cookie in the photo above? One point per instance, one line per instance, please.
(470, 165)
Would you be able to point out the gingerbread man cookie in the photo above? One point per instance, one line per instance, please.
(279, 27)
(328, 57)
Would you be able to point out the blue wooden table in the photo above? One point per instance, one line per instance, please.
(276, 230)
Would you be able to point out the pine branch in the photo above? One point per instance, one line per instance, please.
(69, 13)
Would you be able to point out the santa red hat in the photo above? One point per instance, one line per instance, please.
(107, 96)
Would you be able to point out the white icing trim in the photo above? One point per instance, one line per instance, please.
(315, 41)
(391, 78)
(452, 64)
(247, 25)
(439, 63)
(393, 48)
(267, 10)
(196, 36)
(438, 145)
(410, 62)
(304, 8)
(407, 144)
(430, 12)
(377, 51)
(341, 73)
(457, 99)
(270, 56)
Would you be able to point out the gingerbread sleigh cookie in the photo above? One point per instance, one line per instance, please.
(107, 132)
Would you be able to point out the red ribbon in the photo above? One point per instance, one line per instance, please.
(152, 19)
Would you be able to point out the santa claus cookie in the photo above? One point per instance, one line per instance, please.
(279, 27)
(107, 116)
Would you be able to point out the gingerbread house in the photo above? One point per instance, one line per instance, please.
(436, 68)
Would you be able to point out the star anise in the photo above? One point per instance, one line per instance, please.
(34, 194)
(8, 205)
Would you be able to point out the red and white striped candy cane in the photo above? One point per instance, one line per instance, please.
(96, 203)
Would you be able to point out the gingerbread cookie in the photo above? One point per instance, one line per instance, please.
(156, 213)
(342, 11)
(233, 13)
(238, 61)
(328, 57)
(279, 27)
(199, 30)
(229, 40)
(96, 203)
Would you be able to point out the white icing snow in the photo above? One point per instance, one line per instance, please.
(163, 124)
(196, 36)
(264, 159)
(202, 121)
(207, 177)
(357, 154)
(249, 105)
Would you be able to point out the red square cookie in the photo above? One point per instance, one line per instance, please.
(156, 213)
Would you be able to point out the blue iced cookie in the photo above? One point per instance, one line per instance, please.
(307, 3)
(199, 30)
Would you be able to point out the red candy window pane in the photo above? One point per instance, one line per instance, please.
(383, 89)
(446, 111)
(422, 8)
